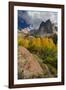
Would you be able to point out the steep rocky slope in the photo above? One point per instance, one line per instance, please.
(30, 66)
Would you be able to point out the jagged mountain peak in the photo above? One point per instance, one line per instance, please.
(48, 20)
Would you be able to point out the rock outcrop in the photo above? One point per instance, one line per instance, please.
(28, 66)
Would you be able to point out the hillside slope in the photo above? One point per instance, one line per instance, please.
(29, 65)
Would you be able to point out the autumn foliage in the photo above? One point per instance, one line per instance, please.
(43, 47)
(37, 43)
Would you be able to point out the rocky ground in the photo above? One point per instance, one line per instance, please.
(30, 65)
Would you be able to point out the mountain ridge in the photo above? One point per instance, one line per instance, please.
(45, 28)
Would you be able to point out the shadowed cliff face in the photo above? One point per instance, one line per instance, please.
(29, 66)
(45, 27)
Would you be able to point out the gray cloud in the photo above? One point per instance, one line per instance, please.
(36, 17)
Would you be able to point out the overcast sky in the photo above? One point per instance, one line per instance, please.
(36, 17)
